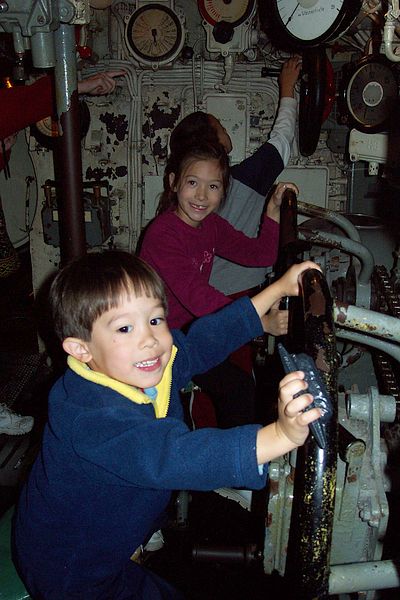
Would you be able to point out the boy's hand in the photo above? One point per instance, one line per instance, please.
(274, 205)
(291, 428)
(289, 76)
(289, 282)
(287, 285)
(292, 422)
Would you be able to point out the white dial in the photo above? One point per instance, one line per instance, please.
(308, 22)
(308, 19)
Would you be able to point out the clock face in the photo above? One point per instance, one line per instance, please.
(311, 22)
(154, 34)
(371, 95)
(231, 11)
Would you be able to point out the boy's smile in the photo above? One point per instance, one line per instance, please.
(132, 342)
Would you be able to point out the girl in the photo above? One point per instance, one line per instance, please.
(183, 239)
(181, 243)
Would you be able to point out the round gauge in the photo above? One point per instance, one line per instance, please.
(46, 130)
(48, 126)
(233, 12)
(308, 22)
(154, 34)
(371, 94)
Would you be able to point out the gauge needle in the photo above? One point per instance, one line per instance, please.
(291, 16)
(154, 34)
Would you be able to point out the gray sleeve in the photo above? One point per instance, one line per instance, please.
(282, 133)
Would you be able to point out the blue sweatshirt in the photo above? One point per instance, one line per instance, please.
(110, 459)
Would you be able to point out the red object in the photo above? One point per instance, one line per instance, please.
(84, 51)
(80, 37)
(24, 105)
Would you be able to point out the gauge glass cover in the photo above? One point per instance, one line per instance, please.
(308, 19)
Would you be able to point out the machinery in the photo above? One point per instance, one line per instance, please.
(327, 509)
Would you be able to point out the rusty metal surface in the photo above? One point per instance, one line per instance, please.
(315, 483)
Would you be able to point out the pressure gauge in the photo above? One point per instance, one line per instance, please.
(234, 12)
(154, 34)
(300, 23)
(369, 94)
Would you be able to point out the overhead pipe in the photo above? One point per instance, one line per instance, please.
(310, 536)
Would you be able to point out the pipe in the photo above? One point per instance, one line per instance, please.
(389, 29)
(351, 247)
(68, 159)
(331, 216)
(310, 536)
(364, 576)
(245, 555)
(364, 255)
(366, 321)
(392, 350)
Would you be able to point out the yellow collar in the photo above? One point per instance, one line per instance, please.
(160, 404)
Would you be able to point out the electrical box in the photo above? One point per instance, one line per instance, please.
(97, 216)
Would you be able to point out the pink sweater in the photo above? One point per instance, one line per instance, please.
(183, 256)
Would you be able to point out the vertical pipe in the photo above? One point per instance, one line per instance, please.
(68, 159)
(315, 480)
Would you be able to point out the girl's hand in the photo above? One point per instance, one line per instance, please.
(274, 205)
(276, 321)
(292, 422)
(289, 76)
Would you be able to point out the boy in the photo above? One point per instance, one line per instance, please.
(116, 443)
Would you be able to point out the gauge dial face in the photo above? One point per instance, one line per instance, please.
(310, 22)
(371, 95)
(48, 126)
(231, 11)
(154, 34)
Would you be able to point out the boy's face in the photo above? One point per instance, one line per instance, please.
(132, 342)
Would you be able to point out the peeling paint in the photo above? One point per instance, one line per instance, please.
(115, 124)
(108, 173)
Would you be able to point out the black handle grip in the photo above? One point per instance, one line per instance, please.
(316, 387)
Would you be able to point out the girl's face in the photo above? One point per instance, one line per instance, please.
(199, 190)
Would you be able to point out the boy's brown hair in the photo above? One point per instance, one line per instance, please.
(89, 286)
